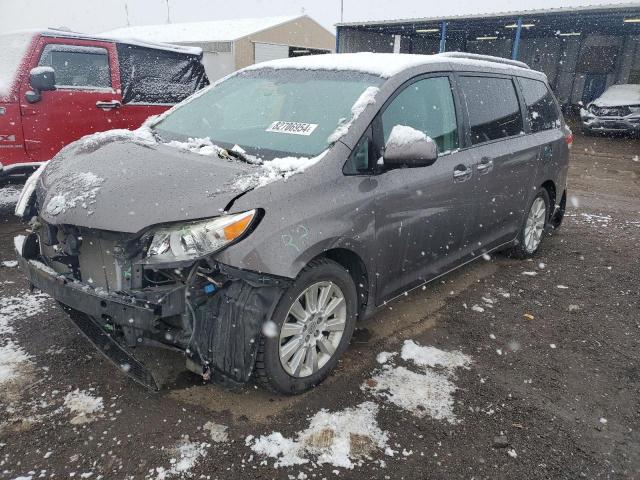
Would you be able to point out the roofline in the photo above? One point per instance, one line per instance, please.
(508, 14)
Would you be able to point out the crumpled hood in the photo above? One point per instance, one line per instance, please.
(125, 186)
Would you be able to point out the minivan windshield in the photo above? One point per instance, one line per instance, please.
(270, 112)
(14, 47)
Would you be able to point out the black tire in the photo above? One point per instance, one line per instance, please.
(270, 372)
(520, 250)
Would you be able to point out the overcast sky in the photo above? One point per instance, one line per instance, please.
(95, 16)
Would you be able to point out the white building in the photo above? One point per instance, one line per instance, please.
(232, 44)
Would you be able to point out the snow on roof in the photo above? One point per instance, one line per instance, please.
(498, 14)
(211, 31)
(382, 64)
(619, 95)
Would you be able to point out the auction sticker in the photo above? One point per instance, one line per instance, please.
(293, 128)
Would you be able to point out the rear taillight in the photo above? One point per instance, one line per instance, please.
(568, 136)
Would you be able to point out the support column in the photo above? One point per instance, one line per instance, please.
(516, 42)
(443, 37)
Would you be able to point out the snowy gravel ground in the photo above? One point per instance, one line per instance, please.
(518, 370)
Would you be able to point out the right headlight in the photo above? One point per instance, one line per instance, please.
(195, 240)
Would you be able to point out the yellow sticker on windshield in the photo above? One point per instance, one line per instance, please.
(293, 128)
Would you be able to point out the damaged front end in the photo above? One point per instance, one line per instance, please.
(126, 290)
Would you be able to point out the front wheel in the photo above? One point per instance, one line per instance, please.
(532, 231)
(314, 322)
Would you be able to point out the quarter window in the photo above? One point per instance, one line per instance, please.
(77, 66)
(492, 104)
(542, 111)
(426, 105)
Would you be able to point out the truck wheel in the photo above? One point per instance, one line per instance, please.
(314, 322)
(532, 230)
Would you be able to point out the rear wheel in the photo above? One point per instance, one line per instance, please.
(314, 322)
(532, 230)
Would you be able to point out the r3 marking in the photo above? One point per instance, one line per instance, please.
(299, 233)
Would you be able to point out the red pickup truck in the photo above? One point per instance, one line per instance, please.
(56, 86)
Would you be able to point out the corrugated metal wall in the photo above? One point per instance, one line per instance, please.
(557, 57)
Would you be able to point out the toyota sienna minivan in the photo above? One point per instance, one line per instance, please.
(252, 225)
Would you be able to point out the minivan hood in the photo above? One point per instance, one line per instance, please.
(125, 186)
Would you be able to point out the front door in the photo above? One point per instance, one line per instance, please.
(421, 213)
(86, 99)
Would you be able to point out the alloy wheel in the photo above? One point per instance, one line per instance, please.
(312, 330)
(534, 226)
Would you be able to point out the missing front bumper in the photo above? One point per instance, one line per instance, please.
(219, 333)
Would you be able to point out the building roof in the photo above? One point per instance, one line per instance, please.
(613, 7)
(210, 31)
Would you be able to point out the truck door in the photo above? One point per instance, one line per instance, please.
(86, 99)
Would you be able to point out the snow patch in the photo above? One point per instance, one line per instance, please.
(366, 98)
(81, 188)
(384, 65)
(9, 196)
(217, 432)
(426, 356)
(19, 307)
(12, 359)
(188, 454)
(619, 95)
(343, 439)
(428, 391)
(9, 263)
(84, 406)
(14, 47)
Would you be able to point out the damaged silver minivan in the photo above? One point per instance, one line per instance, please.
(251, 226)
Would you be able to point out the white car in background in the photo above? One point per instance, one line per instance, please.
(616, 110)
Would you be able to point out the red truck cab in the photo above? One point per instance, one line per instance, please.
(57, 86)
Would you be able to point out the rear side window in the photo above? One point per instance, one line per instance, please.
(542, 111)
(77, 66)
(492, 104)
(150, 75)
(426, 105)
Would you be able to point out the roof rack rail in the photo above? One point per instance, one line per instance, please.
(486, 58)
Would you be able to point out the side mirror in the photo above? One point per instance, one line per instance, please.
(41, 79)
(408, 147)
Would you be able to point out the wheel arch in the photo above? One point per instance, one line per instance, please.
(550, 187)
(355, 266)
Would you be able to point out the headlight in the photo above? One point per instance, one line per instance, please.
(197, 239)
(635, 109)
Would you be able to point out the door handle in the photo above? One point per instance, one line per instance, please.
(461, 173)
(111, 104)
(485, 165)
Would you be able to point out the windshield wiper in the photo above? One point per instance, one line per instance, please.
(237, 154)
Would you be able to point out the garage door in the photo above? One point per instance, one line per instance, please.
(269, 51)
